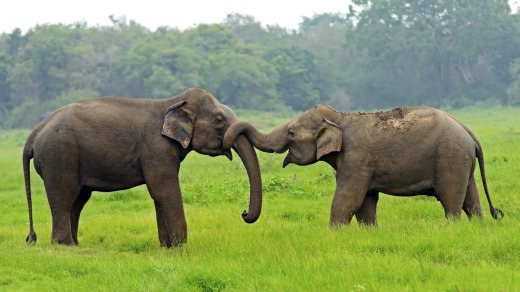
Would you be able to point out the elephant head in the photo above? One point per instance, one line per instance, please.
(308, 138)
(198, 122)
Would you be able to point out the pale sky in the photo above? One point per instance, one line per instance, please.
(26, 14)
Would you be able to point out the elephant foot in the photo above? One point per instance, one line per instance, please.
(367, 223)
(177, 243)
(68, 242)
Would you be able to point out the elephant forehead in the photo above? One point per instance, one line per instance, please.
(320, 111)
(208, 105)
(228, 112)
(307, 122)
(210, 110)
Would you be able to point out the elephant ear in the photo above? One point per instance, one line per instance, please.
(177, 124)
(329, 139)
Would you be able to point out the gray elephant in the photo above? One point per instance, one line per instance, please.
(109, 144)
(402, 152)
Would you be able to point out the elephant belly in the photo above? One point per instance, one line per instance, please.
(104, 185)
(403, 185)
(417, 188)
(110, 176)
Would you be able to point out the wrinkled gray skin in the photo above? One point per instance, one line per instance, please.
(403, 152)
(109, 144)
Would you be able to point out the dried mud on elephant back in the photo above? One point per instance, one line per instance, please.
(396, 113)
(394, 119)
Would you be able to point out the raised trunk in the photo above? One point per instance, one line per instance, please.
(249, 159)
(276, 141)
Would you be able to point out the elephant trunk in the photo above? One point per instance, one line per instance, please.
(249, 159)
(272, 142)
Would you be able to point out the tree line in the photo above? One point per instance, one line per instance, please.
(383, 53)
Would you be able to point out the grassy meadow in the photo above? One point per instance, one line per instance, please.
(290, 248)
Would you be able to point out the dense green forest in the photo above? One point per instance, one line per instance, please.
(383, 53)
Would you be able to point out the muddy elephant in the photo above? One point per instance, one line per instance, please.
(402, 152)
(109, 143)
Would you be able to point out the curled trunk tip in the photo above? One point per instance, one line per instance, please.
(248, 156)
(249, 218)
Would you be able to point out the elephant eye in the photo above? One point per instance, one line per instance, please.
(219, 121)
(291, 135)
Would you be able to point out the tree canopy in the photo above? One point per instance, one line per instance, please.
(383, 53)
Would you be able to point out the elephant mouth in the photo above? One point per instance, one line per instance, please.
(296, 158)
(228, 154)
(218, 152)
(282, 150)
(287, 160)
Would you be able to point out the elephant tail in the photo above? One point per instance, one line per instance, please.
(496, 213)
(27, 155)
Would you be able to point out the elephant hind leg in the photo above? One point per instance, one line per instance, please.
(60, 177)
(366, 215)
(60, 196)
(75, 212)
(451, 191)
(471, 204)
(452, 200)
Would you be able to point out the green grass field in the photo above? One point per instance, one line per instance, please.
(290, 248)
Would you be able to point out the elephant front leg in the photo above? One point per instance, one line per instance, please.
(171, 222)
(350, 194)
(164, 237)
(366, 215)
(171, 233)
